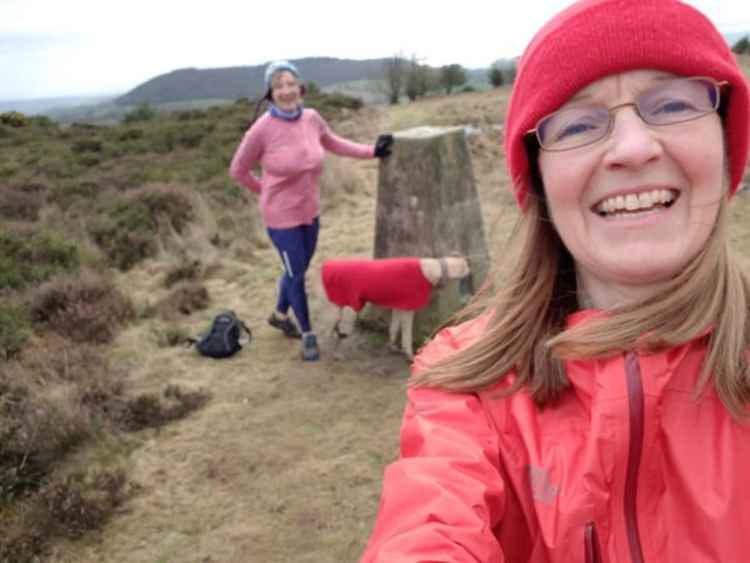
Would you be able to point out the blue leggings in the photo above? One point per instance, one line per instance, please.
(296, 247)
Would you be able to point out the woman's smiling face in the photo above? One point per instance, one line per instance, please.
(285, 91)
(635, 207)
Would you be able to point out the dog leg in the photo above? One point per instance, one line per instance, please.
(345, 323)
(335, 329)
(393, 329)
(407, 336)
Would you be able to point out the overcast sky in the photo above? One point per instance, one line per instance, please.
(86, 47)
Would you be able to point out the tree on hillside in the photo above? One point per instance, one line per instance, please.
(312, 88)
(452, 76)
(742, 46)
(495, 76)
(394, 70)
(144, 112)
(418, 79)
(507, 68)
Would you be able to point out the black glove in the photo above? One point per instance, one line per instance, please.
(383, 145)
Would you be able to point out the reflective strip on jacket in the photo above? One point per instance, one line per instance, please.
(627, 467)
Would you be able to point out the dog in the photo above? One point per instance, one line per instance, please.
(403, 285)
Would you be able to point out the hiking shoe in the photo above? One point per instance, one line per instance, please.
(310, 348)
(285, 325)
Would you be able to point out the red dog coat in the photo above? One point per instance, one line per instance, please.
(396, 283)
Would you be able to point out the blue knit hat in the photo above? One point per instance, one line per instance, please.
(278, 66)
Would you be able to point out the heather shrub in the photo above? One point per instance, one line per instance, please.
(82, 502)
(135, 179)
(83, 308)
(186, 270)
(13, 119)
(128, 229)
(191, 135)
(67, 507)
(224, 192)
(89, 160)
(335, 101)
(6, 132)
(212, 166)
(42, 121)
(190, 114)
(143, 112)
(164, 141)
(50, 403)
(184, 299)
(14, 329)
(86, 145)
(57, 166)
(9, 169)
(151, 411)
(27, 259)
(130, 134)
(38, 426)
(57, 358)
(81, 128)
(22, 202)
(66, 194)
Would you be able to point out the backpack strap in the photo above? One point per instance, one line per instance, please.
(247, 331)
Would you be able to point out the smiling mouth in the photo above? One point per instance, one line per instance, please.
(632, 204)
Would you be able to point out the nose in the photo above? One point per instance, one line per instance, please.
(632, 142)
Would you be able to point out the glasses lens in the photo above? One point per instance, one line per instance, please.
(678, 100)
(574, 127)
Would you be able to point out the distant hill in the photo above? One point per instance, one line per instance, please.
(245, 81)
(37, 106)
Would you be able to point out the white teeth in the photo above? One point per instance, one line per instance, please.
(633, 202)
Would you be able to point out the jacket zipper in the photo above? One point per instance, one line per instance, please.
(635, 448)
(591, 542)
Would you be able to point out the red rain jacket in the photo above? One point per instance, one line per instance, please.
(627, 467)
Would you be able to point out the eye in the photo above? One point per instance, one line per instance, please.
(573, 129)
(672, 106)
(574, 126)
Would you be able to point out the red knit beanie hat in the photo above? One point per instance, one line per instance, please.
(595, 38)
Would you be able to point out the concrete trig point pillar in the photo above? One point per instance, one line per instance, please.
(427, 206)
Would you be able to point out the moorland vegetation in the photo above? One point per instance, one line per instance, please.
(78, 205)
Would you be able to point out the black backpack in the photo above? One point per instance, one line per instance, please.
(223, 338)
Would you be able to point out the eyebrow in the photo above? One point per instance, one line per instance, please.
(579, 97)
(585, 96)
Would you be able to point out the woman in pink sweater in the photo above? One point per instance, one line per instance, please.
(289, 143)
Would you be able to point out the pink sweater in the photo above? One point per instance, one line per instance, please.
(291, 155)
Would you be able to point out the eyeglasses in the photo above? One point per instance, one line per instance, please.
(673, 101)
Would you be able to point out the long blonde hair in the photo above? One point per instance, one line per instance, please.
(526, 333)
